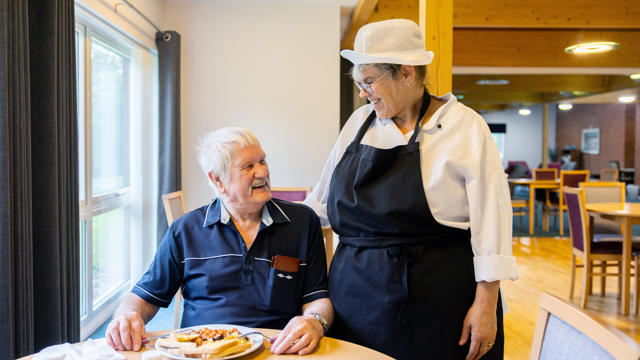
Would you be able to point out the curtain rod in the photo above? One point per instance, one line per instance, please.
(166, 36)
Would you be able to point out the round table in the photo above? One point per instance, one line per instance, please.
(329, 348)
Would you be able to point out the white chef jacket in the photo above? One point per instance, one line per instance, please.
(462, 176)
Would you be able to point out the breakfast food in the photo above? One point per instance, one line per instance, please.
(206, 343)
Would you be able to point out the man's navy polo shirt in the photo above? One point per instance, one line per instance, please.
(223, 281)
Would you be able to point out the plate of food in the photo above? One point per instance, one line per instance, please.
(213, 341)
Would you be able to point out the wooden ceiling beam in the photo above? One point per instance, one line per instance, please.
(536, 47)
(552, 83)
(582, 14)
(500, 97)
(396, 9)
(361, 13)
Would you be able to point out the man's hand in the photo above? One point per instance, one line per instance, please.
(125, 331)
(301, 336)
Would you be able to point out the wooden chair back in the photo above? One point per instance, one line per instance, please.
(603, 191)
(570, 178)
(609, 175)
(564, 331)
(173, 209)
(578, 223)
(545, 174)
(173, 206)
(327, 234)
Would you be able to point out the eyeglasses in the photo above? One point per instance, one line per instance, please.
(366, 86)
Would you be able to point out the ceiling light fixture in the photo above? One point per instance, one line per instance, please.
(627, 98)
(591, 48)
(459, 97)
(565, 107)
(635, 76)
(492, 82)
(524, 112)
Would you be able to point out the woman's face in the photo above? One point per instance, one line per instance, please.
(387, 94)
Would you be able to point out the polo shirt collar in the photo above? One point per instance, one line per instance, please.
(217, 212)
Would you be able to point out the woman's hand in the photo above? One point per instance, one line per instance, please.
(301, 335)
(481, 323)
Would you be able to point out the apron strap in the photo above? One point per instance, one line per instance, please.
(426, 100)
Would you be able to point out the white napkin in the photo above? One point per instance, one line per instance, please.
(89, 350)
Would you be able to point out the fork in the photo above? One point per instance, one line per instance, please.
(269, 339)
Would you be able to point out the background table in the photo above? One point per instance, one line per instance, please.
(329, 348)
(626, 214)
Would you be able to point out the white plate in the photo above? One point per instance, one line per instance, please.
(256, 340)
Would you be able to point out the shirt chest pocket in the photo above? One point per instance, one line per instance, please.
(282, 291)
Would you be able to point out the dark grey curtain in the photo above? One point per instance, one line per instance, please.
(169, 179)
(39, 248)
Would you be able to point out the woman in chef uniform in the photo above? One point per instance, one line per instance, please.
(415, 189)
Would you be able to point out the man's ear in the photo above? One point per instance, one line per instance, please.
(215, 180)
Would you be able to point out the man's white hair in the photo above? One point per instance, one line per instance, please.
(216, 150)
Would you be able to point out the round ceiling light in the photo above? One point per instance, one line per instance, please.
(591, 48)
(565, 107)
(524, 112)
(635, 76)
(627, 98)
(492, 82)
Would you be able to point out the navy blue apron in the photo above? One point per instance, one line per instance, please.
(400, 282)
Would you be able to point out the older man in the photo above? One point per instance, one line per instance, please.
(243, 259)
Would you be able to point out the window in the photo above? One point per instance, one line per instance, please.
(499, 131)
(104, 123)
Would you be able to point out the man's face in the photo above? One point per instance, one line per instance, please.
(247, 186)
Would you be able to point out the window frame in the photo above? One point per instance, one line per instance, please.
(91, 205)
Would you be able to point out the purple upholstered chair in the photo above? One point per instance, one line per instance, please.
(570, 178)
(585, 249)
(294, 194)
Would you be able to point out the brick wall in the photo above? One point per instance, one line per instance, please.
(611, 119)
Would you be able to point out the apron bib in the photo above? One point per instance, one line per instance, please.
(400, 282)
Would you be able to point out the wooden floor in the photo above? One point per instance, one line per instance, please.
(544, 265)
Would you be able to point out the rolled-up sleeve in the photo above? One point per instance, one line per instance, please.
(315, 282)
(162, 280)
(490, 213)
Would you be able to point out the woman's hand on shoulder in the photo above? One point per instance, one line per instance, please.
(300, 336)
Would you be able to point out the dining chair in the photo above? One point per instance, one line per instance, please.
(609, 175)
(543, 196)
(173, 209)
(569, 178)
(327, 234)
(587, 250)
(603, 229)
(564, 331)
(294, 194)
(520, 207)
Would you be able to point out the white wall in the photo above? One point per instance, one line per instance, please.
(523, 140)
(272, 67)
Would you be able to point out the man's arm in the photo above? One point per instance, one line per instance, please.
(302, 333)
(126, 330)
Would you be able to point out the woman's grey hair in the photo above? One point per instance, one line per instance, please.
(392, 69)
(216, 150)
